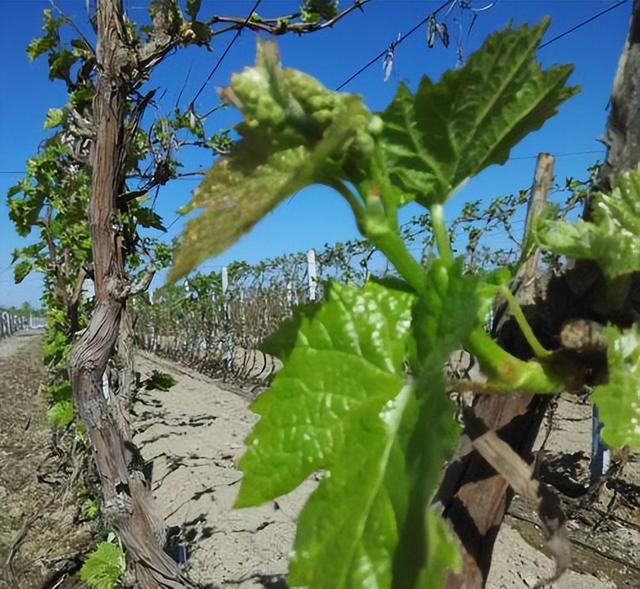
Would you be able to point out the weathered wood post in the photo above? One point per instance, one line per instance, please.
(542, 178)
(4, 324)
(227, 338)
(312, 274)
(225, 282)
(473, 496)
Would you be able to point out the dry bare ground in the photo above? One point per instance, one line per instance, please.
(193, 434)
(39, 539)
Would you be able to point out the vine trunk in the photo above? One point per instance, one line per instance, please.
(128, 503)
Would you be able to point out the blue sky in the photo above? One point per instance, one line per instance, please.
(316, 216)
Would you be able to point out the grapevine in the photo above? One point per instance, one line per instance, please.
(361, 398)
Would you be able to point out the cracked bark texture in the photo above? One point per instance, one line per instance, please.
(622, 136)
(128, 502)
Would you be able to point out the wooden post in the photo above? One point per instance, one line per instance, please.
(365, 265)
(312, 274)
(227, 338)
(289, 289)
(542, 179)
(473, 497)
(225, 281)
(290, 294)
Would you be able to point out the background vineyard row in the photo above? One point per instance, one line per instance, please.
(214, 322)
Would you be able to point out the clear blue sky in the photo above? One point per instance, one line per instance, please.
(316, 216)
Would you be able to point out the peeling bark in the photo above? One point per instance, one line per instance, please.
(128, 503)
(622, 137)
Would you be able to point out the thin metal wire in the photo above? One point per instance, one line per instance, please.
(441, 7)
(400, 40)
(224, 54)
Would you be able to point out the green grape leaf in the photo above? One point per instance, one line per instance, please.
(315, 10)
(328, 347)
(24, 210)
(449, 131)
(49, 40)
(449, 310)
(345, 406)
(149, 218)
(40, 45)
(82, 94)
(295, 133)
(59, 391)
(192, 8)
(56, 347)
(202, 32)
(443, 554)
(611, 239)
(90, 509)
(618, 401)
(104, 566)
(55, 118)
(21, 270)
(61, 414)
(60, 64)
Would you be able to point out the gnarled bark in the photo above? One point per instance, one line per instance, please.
(128, 503)
(623, 127)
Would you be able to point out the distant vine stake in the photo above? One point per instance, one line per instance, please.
(361, 397)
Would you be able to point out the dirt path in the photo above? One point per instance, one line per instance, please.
(193, 433)
(36, 525)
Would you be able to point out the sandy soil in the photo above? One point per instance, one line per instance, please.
(193, 433)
